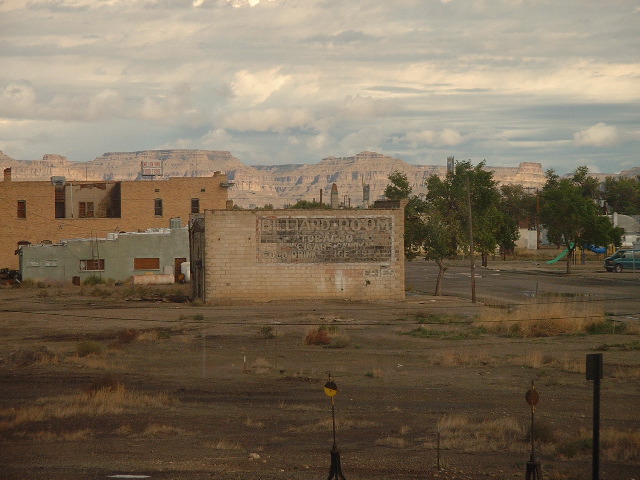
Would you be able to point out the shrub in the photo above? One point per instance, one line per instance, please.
(267, 332)
(88, 347)
(127, 336)
(318, 336)
(93, 280)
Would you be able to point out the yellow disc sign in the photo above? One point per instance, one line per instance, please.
(330, 388)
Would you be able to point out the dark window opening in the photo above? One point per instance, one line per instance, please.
(85, 210)
(157, 207)
(195, 205)
(22, 209)
(92, 265)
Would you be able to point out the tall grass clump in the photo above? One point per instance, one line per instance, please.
(459, 432)
(545, 319)
(89, 347)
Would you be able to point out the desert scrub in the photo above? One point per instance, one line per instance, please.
(544, 319)
(89, 347)
(267, 331)
(93, 280)
(423, 332)
(104, 401)
(318, 336)
(437, 318)
(459, 432)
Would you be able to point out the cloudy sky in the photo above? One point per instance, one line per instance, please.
(294, 81)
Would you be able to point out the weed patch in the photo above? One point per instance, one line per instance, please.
(423, 332)
(545, 319)
(318, 336)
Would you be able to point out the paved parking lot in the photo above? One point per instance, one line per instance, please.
(516, 282)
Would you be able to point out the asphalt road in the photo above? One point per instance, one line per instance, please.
(515, 282)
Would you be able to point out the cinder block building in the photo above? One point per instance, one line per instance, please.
(297, 254)
(43, 212)
(151, 257)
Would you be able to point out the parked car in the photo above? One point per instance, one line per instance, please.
(623, 260)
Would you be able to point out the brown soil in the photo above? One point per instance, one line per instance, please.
(235, 393)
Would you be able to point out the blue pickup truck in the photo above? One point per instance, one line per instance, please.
(623, 260)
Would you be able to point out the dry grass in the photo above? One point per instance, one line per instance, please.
(458, 432)
(543, 319)
(223, 445)
(455, 359)
(49, 436)
(261, 366)
(393, 442)
(620, 445)
(326, 425)
(615, 445)
(40, 355)
(299, 407)
(90, 361)
(249, 422)
(87, 404)
(157, 429)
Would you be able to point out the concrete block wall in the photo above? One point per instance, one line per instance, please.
(304, 254)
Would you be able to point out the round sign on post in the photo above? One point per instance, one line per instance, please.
(532, 397)
(330, 388)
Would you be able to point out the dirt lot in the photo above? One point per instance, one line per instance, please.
(110, 380)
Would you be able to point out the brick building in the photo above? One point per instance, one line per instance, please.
(43, 212)
(297, 254)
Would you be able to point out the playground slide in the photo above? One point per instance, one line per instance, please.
(595, 249)
(562, 255)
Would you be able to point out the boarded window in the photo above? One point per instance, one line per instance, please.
(22, 209)
(92, 265)
(146, 264)
(195, 205)
(157, 206)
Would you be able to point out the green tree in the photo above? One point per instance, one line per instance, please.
(571, 215)
(519, 208)
(307, 205)
(400, 189)
(447, 215)
(622, 195)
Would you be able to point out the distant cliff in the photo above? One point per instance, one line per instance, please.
(277, 185)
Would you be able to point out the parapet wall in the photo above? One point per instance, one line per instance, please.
(303, 254)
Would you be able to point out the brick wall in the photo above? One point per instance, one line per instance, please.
(137, 210)
(293, 254)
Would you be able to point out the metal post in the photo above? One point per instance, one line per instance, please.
(534, 469)
(335, 471)
(595, 373)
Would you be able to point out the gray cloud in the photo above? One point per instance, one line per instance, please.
(287, 81)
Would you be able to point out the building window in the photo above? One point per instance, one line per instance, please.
(85, 209)
(157, 206)
(92, 265)
(195, 205)
(22, 209)
(146, 264)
